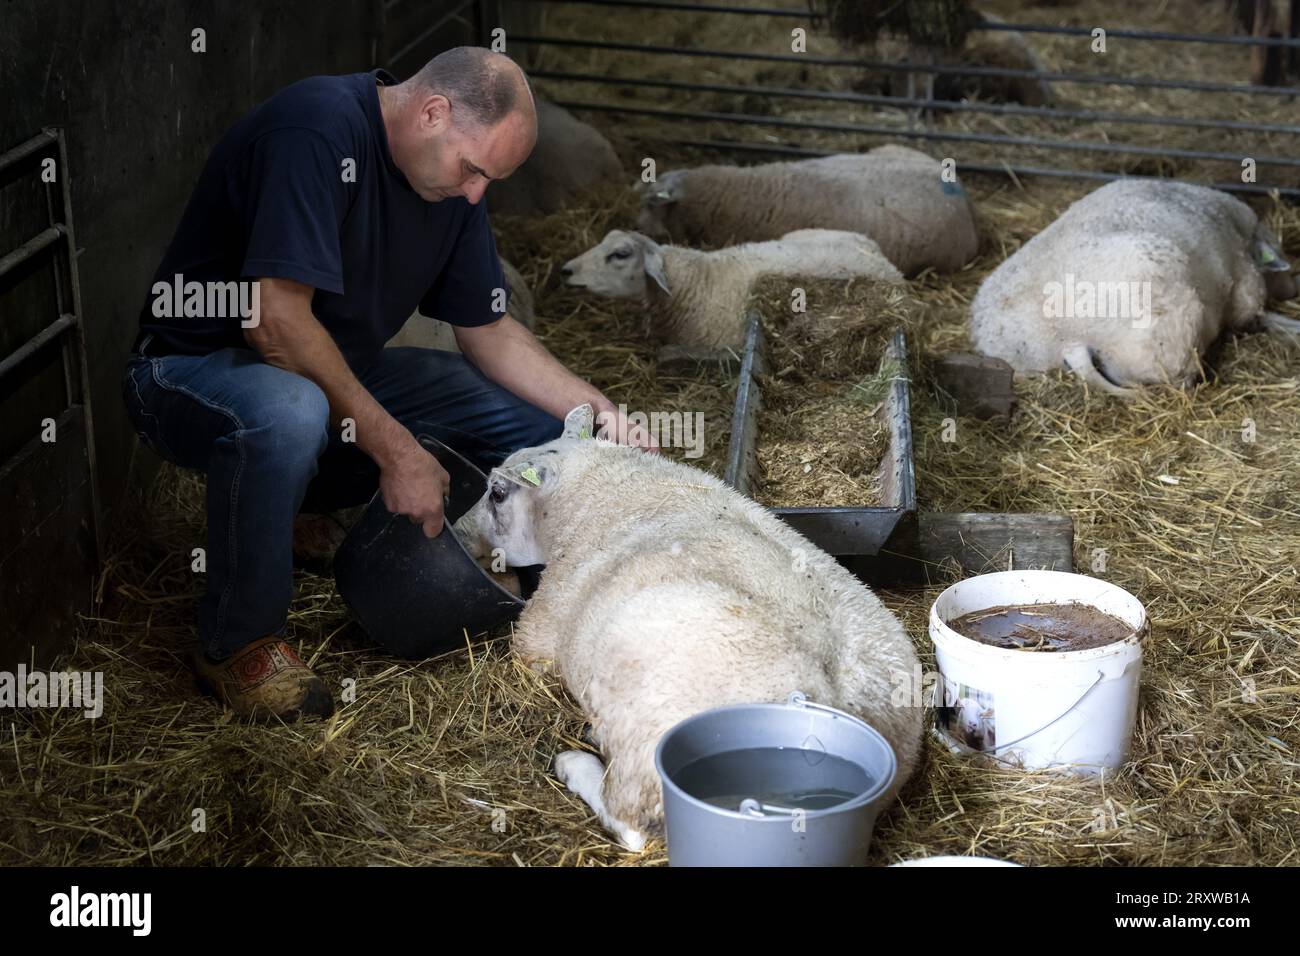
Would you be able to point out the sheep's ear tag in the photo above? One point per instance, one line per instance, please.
(1268, 258)
(577, 424)
(531, 476)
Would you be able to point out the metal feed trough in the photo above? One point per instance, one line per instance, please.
(893, 541)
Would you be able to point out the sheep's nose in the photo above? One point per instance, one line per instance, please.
(566, 270)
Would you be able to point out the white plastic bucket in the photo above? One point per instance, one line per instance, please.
(1037, 709)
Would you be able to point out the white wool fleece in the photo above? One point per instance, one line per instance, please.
(666, 593)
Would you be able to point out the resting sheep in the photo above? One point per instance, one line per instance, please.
(895, 195)
(424, 332)
(667, 593)
(1131, 284)
(570, 159)
(698, 298)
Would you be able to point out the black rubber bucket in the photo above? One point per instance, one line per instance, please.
(418, 597)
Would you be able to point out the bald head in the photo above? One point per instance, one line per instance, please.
(465, 119)
(487, 87)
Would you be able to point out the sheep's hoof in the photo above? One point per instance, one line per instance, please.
(633, 840)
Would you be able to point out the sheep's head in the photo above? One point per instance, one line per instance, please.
(618, 266)
(506, 523)
(658, 200)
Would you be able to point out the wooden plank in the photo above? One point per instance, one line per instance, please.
(978, 543)
(742, 451)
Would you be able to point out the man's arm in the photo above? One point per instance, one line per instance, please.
(511, 356)
(288, 336)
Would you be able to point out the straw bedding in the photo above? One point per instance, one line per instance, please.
(1187, 499)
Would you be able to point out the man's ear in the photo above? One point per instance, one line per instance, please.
(654, 264)
(577, 424)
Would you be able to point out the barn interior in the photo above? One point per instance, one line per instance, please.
(1186, 497)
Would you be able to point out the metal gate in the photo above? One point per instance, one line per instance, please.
(49, 520)
(983, 133)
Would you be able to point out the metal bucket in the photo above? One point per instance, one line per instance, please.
(415, 596)
(700, 833)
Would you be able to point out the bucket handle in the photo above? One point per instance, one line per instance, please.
(1101, 675)
(798, 698)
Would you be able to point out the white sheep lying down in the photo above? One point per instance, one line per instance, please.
(421, 331)
(897, 196)
(698, 298)
(665, 594)
(1131, 284)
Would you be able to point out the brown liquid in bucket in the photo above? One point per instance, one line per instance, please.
(1042, 627)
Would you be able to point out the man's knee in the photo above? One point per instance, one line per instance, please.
(292, 420)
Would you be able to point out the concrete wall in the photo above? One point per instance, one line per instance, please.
(141, 111)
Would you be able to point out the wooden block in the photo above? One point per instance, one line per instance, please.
(979, 543)
(975, 385)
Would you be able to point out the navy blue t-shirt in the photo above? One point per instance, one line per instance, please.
(274, 201)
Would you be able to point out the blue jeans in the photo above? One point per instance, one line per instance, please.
(263, 437)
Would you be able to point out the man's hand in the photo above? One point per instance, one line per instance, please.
(287, 335)
(511, 356)
(414, 484)
(612, 425)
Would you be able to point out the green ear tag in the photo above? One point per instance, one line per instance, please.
(584, 433)
(530, 475)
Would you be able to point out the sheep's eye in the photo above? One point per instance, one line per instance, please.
(619, 254)
(498, 494)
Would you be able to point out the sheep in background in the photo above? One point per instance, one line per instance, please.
(423, 332)
(1131, 284)
(667, 593)
(1278, 19)
(698, 298)
(893, 194)
(570, 159)
(937, 33)
(1004, 49)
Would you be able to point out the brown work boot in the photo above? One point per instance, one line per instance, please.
(265, 680)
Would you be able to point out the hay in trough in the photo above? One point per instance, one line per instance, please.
(1186, 498)
(820, 434)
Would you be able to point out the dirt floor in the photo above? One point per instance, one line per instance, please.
(1190, 500)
